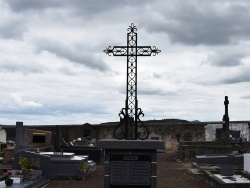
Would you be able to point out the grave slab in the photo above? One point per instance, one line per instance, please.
(66, 164)
(27, 184)
(238, 180)
(219, 160)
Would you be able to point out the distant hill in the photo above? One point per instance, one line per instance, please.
(167, 121)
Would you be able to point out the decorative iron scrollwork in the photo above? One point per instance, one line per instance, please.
(142, 135)
(119, 130)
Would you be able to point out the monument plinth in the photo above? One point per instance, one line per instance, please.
(130, 163)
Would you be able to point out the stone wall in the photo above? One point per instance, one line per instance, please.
(191, 131)
(39, 138)
(243, 128)
(168, 132)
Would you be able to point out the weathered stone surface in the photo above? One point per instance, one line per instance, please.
(130, 144)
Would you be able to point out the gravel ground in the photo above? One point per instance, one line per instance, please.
(170, 174)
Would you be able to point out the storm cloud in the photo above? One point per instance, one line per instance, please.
(53, 68)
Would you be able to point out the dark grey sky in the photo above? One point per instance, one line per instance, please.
(53, 69)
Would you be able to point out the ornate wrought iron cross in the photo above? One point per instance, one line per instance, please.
(129, 116)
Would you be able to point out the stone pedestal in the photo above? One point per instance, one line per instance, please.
(130, 163)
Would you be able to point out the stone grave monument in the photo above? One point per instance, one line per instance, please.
(130, 159)
(3, 135)
(154, 136)
(51, 163)
(188, 149)
(225, 119)
(22, 137)
(224, 169)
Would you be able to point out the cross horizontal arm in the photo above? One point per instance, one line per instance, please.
(147, 51)
(133, 51)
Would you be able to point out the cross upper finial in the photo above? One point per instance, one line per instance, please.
(132, 28)
(226, 100)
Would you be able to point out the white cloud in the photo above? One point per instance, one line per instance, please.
(25, 103)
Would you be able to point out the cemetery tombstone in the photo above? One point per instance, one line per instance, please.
(131, 160)
(2, 141)
(226, 170)
(247, 162)
(188, 136)
(225, 119)
(154, 136)
(22, 137)
(178, 136)
(3, 135)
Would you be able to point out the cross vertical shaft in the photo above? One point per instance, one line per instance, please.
(130, 114)
(131, 96)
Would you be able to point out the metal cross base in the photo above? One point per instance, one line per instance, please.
(129, 116)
